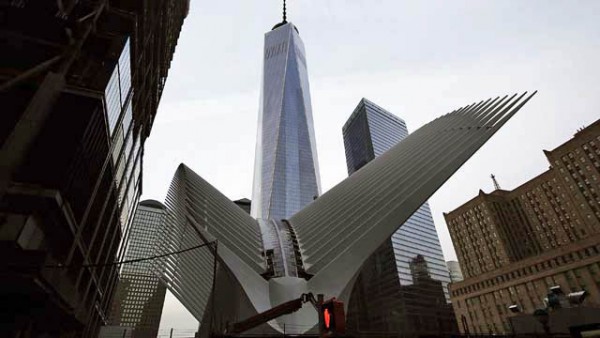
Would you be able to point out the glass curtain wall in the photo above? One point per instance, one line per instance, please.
(403, 283)
(286, 169)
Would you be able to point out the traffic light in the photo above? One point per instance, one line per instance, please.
(333, 319)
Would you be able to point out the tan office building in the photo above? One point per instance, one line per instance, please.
(513, 245)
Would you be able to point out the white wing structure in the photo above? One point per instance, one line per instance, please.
(322, 247)
(198, 213)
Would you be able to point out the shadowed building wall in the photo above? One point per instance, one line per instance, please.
(80, 83)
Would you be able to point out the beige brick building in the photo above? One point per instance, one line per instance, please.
(481, 303)
(542, 232)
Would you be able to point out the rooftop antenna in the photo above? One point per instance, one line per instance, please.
(496, 185)
(284, 19)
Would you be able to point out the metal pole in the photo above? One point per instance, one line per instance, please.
(171, 335)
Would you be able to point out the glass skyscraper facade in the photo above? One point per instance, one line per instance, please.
(391, 294)
(286, 173)
(127, 148)
(140, 295)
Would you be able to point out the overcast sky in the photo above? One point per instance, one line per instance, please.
(417, 59)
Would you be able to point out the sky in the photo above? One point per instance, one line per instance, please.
(417, 59)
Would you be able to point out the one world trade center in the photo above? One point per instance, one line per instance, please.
(286, 171)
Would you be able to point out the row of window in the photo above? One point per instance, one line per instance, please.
(494, 306)
(529, 270)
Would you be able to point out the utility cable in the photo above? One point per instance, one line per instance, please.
(61, 266)
(134, 260)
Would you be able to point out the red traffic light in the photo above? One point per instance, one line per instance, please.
(333, 317)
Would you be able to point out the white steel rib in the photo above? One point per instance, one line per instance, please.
(344, 226)
(329, 239)
(198, 213)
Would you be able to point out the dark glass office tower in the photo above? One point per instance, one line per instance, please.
(80, 82)
(138, 302)
(286, 171)
(383, 298)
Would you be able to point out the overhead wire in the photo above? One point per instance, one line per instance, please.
(135, 260)
(97, 265)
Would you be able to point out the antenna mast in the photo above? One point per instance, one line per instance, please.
(496, 185)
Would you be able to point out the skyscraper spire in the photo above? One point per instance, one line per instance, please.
(284, 18)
